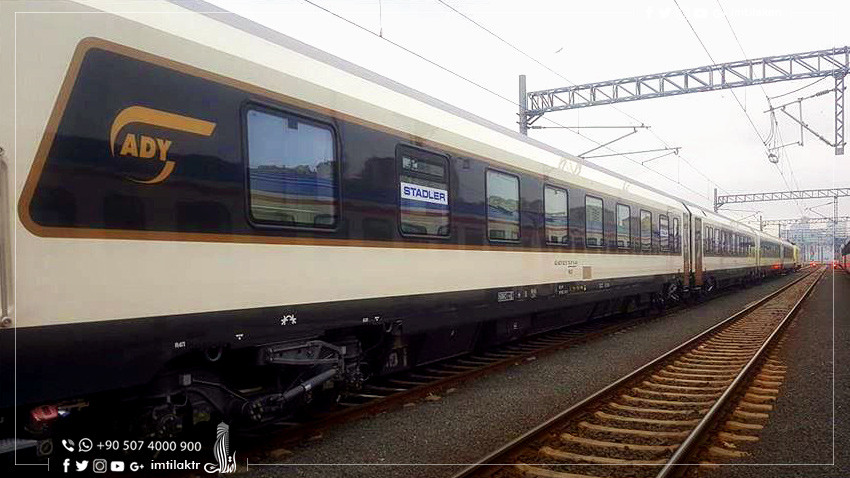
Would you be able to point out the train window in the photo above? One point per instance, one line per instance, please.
(502, 206)
(713, 240)
(424, 193)
(664, 232)
(716, 238)
(718, 241)
(291, 170)
(624, 226)
(676, 235)
(593, 208)
(557, 215)
(645, 230)
(712, 247)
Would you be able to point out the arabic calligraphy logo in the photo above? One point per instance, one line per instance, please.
(226, 462)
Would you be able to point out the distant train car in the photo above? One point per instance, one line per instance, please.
(789, 256)
(219, 221)
(770, 252)
(729, 252)
(796, 262)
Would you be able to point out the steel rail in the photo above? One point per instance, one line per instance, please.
(297, 432)
(496, 458)
(704, 426)
(300, 431)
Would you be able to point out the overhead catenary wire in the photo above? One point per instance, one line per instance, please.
(737, 40)
(682, 158)
(782, 153)
(488, 90)
(752, 123)
(556, 73)
(737, 100)
(535, 60)
(521, 52)
(799, 89)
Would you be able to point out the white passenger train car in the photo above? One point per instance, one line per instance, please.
(190, 192)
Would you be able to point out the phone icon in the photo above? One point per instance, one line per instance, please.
(85, 445)
(68, 445)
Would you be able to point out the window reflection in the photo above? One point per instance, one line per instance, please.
(292, 171)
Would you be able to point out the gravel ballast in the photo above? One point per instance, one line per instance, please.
(800, 428)
(436, 438)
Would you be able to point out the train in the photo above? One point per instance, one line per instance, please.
(222, 221)
(844, 260)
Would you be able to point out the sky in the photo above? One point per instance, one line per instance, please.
(585, 42)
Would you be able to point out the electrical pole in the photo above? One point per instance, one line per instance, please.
(523, 106)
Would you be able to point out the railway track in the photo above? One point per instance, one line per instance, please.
(658, 417)
(385, 393)
(426, 382)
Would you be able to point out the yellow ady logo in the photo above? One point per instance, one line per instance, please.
(141, 146)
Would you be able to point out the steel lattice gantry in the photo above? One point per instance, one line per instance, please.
(805, 220)
(833, 62)
(780, 196)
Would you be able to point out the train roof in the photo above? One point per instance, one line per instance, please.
(339, 84)
(458, 128)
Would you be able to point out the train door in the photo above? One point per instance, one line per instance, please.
(698, 251)
(686, 248)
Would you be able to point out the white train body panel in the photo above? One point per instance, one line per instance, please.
(62, 280)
